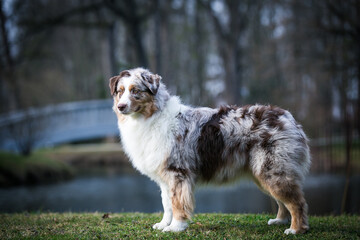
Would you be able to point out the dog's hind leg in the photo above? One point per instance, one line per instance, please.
(290, 194)
(182, 199)
(166, 202)
(298, 210)
(282, 216)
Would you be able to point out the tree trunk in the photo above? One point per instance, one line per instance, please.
(238, 81)
(112, 49)
(357, 117)
(128, 12)
(8, 74)
(348, 137)
(135, 31)
(348, 140)
(229, 46)
(233, 80)
(200, 53)
(158, 49)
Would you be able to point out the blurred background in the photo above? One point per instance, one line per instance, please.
(59, 142)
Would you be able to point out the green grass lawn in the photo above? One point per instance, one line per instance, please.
(139, 226)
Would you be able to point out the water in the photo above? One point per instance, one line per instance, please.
(133, 192)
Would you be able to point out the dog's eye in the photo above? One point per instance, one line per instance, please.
(135, 91)
(120, 92)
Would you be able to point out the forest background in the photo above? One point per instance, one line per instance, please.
(301, 55)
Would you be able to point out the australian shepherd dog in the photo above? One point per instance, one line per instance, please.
(178, 146)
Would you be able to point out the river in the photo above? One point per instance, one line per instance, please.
(132, 192)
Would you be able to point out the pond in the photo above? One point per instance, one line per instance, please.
(132, 192)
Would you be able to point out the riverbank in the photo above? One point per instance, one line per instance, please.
(87, 157)
(62, 163)
(139, 226)
(37, 168)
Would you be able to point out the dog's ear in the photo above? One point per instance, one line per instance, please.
(114, 81)
(151, 81)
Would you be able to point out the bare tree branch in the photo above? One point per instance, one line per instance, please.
(219, 29)
(110, 4)
(342, 16)
(62, 18)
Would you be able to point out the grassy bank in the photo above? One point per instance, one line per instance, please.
(85, 156)
(37, 168)
(138, 226)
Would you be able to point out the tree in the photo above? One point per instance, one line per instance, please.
(343, 25)
(9, 86)
(133, 17)
(229, 34)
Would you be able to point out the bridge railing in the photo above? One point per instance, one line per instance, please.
(56, 124)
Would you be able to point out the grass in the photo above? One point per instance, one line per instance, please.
(36, 168)
(138, 226)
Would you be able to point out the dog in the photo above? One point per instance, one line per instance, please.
(178, 146)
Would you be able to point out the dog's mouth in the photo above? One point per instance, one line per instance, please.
(130, 111)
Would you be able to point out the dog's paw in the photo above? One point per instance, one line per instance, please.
(278, 221)
(290, 231)
(161, 225)
(176, 226)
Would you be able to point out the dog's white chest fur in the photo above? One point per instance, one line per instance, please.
(148, 142)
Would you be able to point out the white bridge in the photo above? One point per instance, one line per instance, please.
(57, 124)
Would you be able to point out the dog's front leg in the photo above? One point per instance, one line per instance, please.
(182, 200)
(166, 202)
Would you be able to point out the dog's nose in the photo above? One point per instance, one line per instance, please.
(122, 107)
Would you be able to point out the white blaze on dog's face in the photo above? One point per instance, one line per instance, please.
(134, 92)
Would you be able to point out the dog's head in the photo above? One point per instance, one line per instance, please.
(134, 91)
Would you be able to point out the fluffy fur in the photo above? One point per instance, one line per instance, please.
(178, 146)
